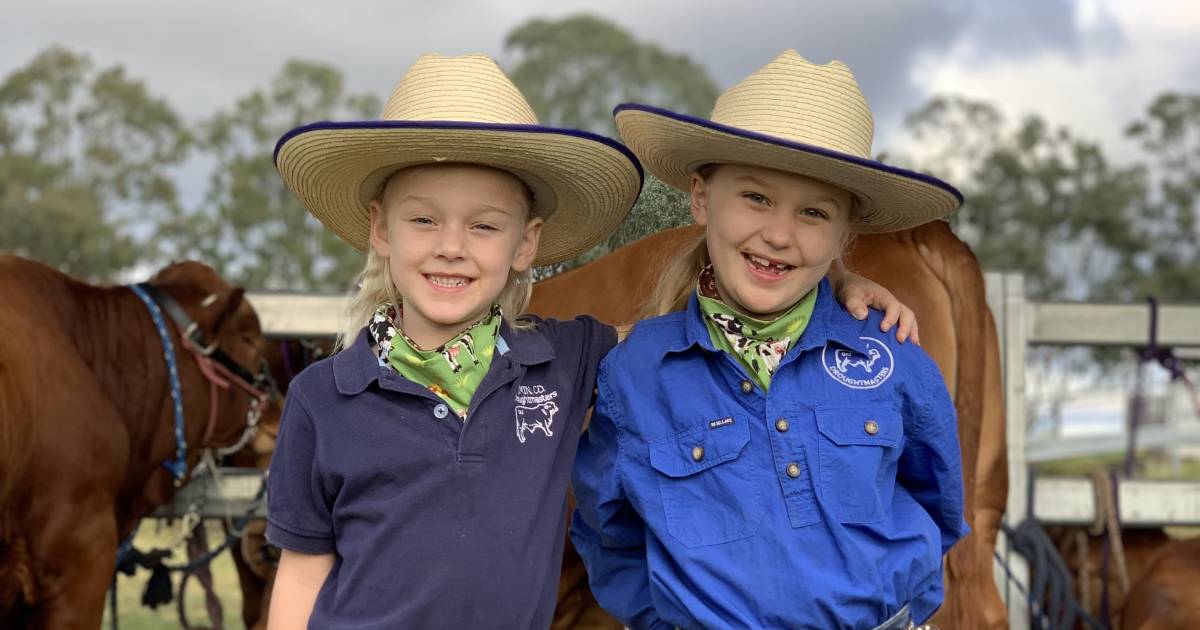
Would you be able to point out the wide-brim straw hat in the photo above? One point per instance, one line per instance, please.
(462, 109)
(794, 116)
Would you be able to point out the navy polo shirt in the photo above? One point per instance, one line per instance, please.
(436, 523)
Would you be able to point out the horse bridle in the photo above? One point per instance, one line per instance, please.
(218, 368)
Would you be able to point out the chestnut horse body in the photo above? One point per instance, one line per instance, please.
(87, 421)
(1167, 595)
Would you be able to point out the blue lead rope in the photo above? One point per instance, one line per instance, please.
(178, 467)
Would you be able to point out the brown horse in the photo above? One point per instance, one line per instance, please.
(1163, 577)
(935, 274)
(1167, 597)
(87, 423)
(254, 560)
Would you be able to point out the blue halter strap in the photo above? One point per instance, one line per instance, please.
(178, 466)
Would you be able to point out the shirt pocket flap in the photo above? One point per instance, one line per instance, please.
(701, 448)
(860, 426)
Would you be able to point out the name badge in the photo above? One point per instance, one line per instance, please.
(717, 424)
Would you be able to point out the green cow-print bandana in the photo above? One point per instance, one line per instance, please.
(453, 370)
(758, 345)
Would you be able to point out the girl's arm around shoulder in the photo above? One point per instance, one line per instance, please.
(297, 583)
(858, 293)
(579, 345)
(584, 339)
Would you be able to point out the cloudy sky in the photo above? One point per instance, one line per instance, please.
(1092, 64)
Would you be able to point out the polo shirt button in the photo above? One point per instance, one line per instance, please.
(441, 411)
(871, 427)
(782, 425)
(793, 470)
(747, 387)
(697, 453)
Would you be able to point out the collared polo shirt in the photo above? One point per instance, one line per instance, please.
(826, 502)
(436, 523)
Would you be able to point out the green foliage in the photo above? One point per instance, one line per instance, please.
(250, 227)
(659, 208)
(1170, 135)
(1040, 200)
(83, 154)
(575, 70)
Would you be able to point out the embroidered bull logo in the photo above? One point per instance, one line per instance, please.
(452, 351)
(846, 360)
(867, 369)
(534, 418)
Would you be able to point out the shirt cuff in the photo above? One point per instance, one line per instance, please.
(284, 538)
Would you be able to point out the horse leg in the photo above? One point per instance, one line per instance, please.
(80, 549)
(252, 585)
(71, 523)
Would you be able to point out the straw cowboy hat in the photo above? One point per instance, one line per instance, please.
(794, 116)
(462, 109)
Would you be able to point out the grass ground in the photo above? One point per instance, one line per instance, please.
(133, 616)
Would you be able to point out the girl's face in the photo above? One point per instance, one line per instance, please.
(771, 235)
(451, 234)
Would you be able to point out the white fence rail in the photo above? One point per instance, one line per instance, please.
(1067, 500)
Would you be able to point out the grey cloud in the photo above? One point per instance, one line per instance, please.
(202, 56)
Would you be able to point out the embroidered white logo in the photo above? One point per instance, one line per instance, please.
(535, 411)
(856, 370)
(846, 360)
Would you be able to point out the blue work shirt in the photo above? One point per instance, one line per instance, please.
(827, 502)
(436, 523)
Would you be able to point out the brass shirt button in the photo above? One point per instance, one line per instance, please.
(697, 453)
(871, 427)
(747, 387)
(782, 425)
(793, 470)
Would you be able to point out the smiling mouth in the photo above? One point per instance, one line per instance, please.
(766, 265)
(448, 282)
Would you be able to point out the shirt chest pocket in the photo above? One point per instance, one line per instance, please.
(708, 482)
(858, 450)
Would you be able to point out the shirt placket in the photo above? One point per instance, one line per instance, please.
(428, 404)
(473, 436)
(787, 431)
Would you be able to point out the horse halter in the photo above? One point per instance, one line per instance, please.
(218, 368)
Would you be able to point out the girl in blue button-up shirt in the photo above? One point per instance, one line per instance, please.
(759, 458)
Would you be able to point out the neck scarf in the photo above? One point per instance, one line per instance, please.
(453, 370)
(758, 345)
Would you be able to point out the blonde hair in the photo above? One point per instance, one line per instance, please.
(679, 276)
(678, 279)
(375, 287)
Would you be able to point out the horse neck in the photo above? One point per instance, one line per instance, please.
(115, 335)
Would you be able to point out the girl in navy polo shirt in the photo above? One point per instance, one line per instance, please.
(420, 476)
(759, 458)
